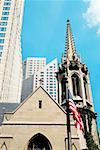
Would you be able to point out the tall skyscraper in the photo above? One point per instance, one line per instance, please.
(39, 74)
(11, 13)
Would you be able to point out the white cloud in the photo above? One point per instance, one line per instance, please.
(92, 14)
(98, 31)
(86, 0)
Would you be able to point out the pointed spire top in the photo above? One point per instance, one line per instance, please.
(70, 45)
(68, 21)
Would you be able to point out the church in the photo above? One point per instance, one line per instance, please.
(40, 123)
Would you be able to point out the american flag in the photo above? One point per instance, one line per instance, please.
(75, 112)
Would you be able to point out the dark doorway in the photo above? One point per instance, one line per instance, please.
(39, 142)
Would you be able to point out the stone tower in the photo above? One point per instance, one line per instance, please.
(74, 75)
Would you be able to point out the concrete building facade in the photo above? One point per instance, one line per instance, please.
(32, 65)
(11, 13)
(43, 74)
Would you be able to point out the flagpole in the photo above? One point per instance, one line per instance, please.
(68, 117)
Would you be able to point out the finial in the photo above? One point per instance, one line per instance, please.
(68, 21)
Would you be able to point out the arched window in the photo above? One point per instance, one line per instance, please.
(39, 142)
(4, 147)
(74, 147)
(85, 87)
(76, 85)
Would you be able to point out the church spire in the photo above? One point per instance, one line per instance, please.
(70, 50)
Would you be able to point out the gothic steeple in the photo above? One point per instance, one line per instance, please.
(76, 73)
(70, 51)
(73, 76)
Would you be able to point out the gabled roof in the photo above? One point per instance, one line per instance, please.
(20, 105)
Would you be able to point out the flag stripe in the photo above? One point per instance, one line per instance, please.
(76, 114)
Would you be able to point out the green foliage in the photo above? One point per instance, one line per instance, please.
(90, 142)
(87, 134)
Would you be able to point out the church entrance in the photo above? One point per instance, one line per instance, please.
(39, 142)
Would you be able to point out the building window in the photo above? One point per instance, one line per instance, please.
(4, 18)
(0, 54)
(3, 23)
(4, 146)
(76, 85)
(7, 3)
(51, 93)
(6, 8)
(1, 47)
(39, 142)
(1, 41)
(40, 104)
(2, 34)
(74, 147)
(2, 29)
(5, 13)
(85, 87)
(50, 67)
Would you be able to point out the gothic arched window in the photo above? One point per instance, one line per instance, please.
(4, 147)
(74, 147)
(85, 87)
(39, 142)
(76, 85)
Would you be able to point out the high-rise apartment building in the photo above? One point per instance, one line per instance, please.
(32, 65)
(11, 13)
(39, 74)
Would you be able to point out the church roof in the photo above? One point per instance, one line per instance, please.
(24, 112)
(7, 107)
(40, 87)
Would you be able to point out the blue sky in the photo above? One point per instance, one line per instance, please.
(44, 28)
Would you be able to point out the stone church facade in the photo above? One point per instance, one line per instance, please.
(39, 122)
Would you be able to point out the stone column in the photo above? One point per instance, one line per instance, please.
(82, 88)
